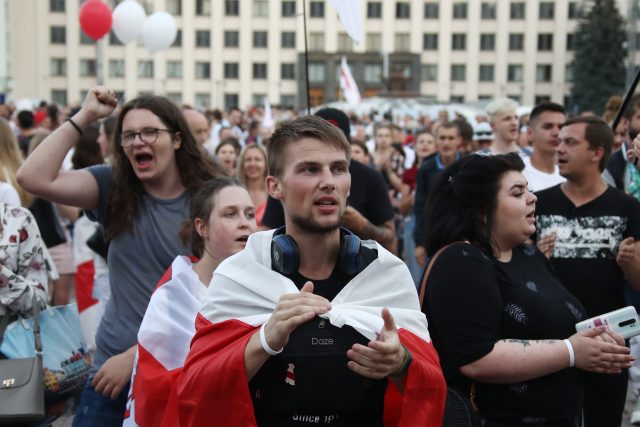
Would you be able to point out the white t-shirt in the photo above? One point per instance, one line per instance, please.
(539, 180)
(9, 195)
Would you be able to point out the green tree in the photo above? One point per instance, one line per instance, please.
(599, 63)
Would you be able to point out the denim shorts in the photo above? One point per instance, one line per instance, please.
(97, 410)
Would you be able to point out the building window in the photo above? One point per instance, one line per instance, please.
(546, 10)
(516, 41)
(203, 100)
(568, 73)
(458, 72)
(145, 69)
(258, 99)
(317, 71)
(545, 42)
(260, 39)
(85, 39)
(178, 41)
(231, 70)
(87, 67)
(402, 42)
(487, 41)
(203, 38)
(430, 41)
(288, 71)
(203, 70)
(174, 69)
(458, 99)
(539, 99)
(486, 72)
(56, 6)
(174, 7)
(488, 10)
(57, 35)
(58, 67)
(515, 73)
(458, 41)
(175, 97)
(287, 101)
(113, 40)
(373, 72)
(374, 9)
(288, 8)
(230, 100)
(431, 10)
(232, 7)
(516, 10)
(460, 10)
(259, 70)
(59, 96)
(345, 43)
(374, 42)
(316, 9)
(260, 8)
(231, 39)
(116, 68)
(571, 41)
(203, 7)
(574, 11)
(543, 73)
(288, 39)
(403, 10)
(429, 72)
(316, 42)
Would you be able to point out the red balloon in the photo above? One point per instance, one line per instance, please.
(95, 18)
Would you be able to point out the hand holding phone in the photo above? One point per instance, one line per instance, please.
(624, 322)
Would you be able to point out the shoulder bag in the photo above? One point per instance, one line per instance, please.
(21, 380)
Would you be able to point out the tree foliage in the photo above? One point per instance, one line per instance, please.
(599, 63)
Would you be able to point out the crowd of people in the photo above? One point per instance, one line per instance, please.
(275, 275)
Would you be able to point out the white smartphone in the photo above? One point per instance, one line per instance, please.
(624, 322)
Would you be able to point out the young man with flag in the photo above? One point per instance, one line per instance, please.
(308, 325)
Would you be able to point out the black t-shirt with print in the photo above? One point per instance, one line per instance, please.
(587, 243)
(309, 383)
(472, 301)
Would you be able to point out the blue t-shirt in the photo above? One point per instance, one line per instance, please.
(137, 259)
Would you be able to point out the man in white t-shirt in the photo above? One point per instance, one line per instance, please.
(503, 119)
(541, 168)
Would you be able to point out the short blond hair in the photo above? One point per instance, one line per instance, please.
(500, 106)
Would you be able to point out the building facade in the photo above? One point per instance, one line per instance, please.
(237, 52)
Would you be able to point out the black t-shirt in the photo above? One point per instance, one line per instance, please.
(427, 174)
(587, 243)
(368, 195)
(309, 383)
(472, 301)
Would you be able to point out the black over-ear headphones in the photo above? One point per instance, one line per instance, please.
(285, 255)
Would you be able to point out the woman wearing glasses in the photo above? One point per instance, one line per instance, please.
(141, 201)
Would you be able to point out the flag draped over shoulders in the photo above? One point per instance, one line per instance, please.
(163, 344)
(213, 388)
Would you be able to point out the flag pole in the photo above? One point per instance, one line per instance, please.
(626, 101)
(306, 55)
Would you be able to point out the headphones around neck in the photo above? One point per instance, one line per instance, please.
(285, 255)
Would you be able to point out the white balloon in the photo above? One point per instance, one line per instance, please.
(128, 18)
(159, 31)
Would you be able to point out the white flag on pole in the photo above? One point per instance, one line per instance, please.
(350, 13)
(267, 119)
(348, 84)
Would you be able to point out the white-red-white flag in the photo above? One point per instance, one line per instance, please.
(348, 84)
(350, 13)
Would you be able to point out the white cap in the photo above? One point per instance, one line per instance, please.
(482, 132)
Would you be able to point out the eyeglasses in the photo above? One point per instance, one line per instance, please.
(147, 135)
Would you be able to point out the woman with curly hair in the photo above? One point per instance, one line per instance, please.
(141, 200)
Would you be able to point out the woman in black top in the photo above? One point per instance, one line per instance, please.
(497, 313)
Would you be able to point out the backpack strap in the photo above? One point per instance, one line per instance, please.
(425, 276)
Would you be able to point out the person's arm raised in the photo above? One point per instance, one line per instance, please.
(41, 175)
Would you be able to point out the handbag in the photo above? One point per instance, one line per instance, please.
(459, 410)
(65, 360)
(21, 380)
